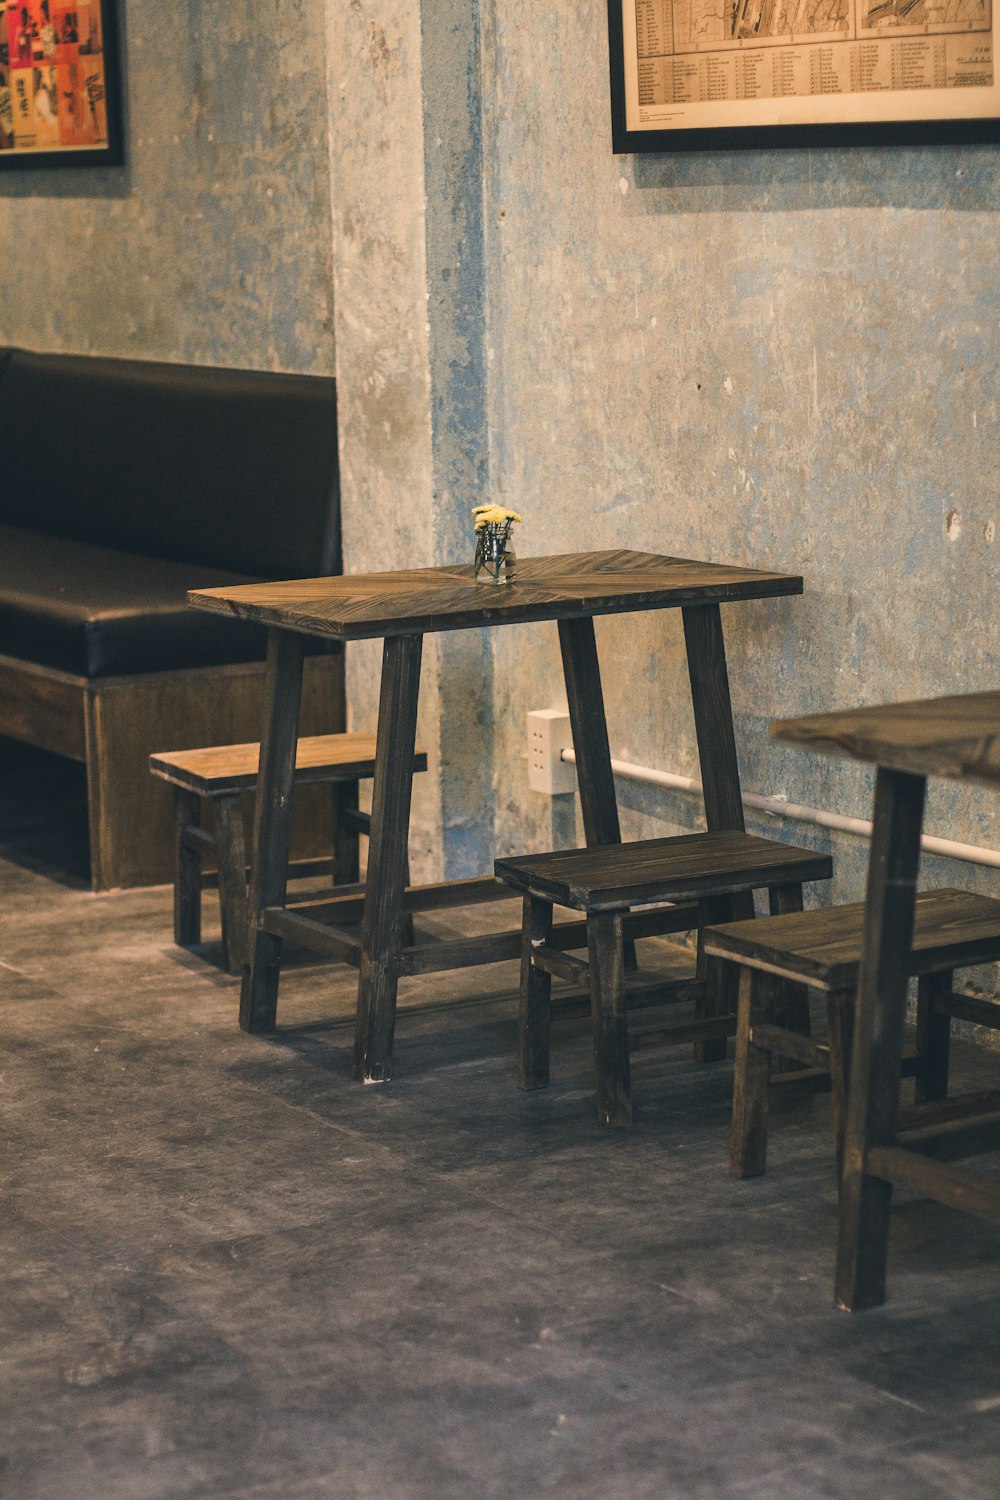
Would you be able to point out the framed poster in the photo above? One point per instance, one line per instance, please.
(60, 100)
(718, 74)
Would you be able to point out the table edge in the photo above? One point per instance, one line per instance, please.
(914, 763)
(772, 586)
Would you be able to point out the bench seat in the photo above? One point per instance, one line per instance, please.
(123, 484)
(823, 949)
(98, 612)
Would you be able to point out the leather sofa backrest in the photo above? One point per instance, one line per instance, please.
(230, 468)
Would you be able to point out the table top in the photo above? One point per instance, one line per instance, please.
(957, 737)
(415, 600)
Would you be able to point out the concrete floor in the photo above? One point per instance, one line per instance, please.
(228, 1271)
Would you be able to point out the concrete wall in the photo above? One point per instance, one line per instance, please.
(411, 365)
(787, 360)
(213, 244)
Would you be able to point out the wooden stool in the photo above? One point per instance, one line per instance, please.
(704, 873)
(822, 949)
(220, 774)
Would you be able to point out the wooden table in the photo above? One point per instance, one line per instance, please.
(401, 607)
(959, 738)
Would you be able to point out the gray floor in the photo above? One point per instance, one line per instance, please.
(229, 1271)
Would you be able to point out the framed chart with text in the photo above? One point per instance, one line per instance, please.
(718, 74)
(60, 99)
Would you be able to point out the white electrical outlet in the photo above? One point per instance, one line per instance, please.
(549, 735)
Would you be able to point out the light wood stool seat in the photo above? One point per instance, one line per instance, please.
(822, 949)
(623, 889)
(221, 774)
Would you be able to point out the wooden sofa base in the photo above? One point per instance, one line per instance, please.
(113, 725)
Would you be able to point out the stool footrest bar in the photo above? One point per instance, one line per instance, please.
(561, 965)
(967, 1008)
(353, 819)
(673, 1032)
(791, 1044)
(333, 941)
(198, 838)
(350, 906)
(931, 1179)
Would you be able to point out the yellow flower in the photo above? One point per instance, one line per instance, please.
(493, 515)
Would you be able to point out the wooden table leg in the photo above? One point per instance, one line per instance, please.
(387, 855)
(272, 827)
(596, 779)
(878, 1036)
(720, 773)
(713, 717)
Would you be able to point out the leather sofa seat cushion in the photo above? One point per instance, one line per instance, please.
(98, 612)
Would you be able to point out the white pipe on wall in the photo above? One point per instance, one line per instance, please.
(971, 853)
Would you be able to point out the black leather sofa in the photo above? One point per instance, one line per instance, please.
(122, 485)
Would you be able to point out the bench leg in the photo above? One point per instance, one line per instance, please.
(793, 1008)
(717, 976)
(535, 1007)
(607, 1007)
(933, 1037)
(751, 1077)
(231, 850)
(344, 796)
(840, 1009)
(187, 870)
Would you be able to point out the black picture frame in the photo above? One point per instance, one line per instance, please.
(943, 130)
(99, 114)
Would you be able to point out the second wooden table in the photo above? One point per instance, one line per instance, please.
(957, 738)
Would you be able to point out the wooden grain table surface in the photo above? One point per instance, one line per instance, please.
(571, 585)
(956, 737)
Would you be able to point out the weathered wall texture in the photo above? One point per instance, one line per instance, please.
(784, 360)
(213, 245)
(407, 189)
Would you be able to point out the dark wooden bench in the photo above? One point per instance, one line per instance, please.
(124, 484)
(822, 950)
(623, 889)
(222, 775)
